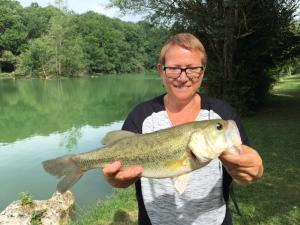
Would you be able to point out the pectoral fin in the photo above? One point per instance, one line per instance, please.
(116, 136)
(180, 183)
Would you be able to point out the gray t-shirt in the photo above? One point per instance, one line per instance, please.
(201, 203)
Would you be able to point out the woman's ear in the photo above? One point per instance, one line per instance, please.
(161, 72)
(159, 67)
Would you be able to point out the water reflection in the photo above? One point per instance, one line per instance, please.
(40, 120)
(21, 170)
(38, 107)
(70, 139)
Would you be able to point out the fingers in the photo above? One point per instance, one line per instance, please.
(248, 157)
(122, 177)
(244, 168)
(232, 160)
(129, 173)
(112, 169)
(242, 175)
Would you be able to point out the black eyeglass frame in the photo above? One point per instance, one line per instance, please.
(184, 70)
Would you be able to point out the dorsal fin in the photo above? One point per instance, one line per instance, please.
(116, 136)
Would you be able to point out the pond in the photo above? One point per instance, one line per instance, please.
(44, 119)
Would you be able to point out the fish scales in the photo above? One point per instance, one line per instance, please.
(148, 149)
(164, 153)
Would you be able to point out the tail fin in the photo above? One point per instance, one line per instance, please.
(66, 169)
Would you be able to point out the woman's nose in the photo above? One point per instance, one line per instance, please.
(183, 77)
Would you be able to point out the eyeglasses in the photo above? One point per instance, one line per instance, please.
(175, 72)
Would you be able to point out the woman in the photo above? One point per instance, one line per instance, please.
(181, 66)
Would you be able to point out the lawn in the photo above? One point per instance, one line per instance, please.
(275, 199)
(274, 131)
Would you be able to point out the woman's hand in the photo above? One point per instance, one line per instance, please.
(244, 168)
(121, 177)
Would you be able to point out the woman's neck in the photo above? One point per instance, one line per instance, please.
(182, 112)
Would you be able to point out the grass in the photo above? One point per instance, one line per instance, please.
(274, 132)
(275, 199)
(26, 198)
(119, 209)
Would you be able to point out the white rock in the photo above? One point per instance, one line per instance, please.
(57, 211)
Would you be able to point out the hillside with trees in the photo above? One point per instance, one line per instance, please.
(52, 41)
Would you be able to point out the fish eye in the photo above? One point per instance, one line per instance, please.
(219, 126)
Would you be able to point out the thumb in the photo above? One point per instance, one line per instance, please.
(229, 158)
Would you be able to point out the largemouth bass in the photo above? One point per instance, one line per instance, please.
(165, 153)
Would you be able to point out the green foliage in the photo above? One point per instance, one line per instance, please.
(35, 60)
(55, 42)
(18, 26)
(57, 53)
(26, 199)
(67, 54)
(112, 46)
(245, 40)
(121, 208)
(12, 30)
(36, 216)
(36, 20)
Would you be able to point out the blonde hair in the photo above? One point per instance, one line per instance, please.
(184, 40)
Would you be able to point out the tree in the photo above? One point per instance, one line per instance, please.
(36, 19)
(245, 39)
(58, 53)
(153, 39)
(94, 30)
(12, 33)
(35, 61)
(12, 30)
(53, 41)
(115, 46)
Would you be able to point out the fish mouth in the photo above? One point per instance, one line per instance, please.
(232, 134)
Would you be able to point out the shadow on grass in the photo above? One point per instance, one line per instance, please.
(122, 217)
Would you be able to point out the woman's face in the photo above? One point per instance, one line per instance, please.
(182, 88)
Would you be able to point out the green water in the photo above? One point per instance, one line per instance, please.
(40, 120)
